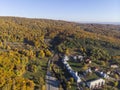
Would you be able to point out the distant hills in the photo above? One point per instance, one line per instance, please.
(21, 29)
(111, 23)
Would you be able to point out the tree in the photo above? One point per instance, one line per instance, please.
(116, 76)
(48, 53)
(1, 44)
(34, 68)
(8, 47)
(68, 84)
(115, 83)
(43, 87)
(41, 81)
(85, 67)
(102, 63)
(41, 54)
(67, 51)
(60, 87)
(71, 79)
(59, 48)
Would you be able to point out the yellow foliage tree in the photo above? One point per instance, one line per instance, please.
(48, 53)
(41, 54)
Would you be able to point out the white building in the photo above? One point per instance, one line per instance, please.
(88, 70)
(67, 66)
(114, 66)
(64, 62)
(75, 76)
(66, 58)
(96, 83)
(104, 75)
(80, 57)
(75, 57)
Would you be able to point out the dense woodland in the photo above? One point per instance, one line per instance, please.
(27, 44)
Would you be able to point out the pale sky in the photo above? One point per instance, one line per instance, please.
(72, 10)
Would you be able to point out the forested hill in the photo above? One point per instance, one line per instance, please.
(57, 26)
(26, 45)
(15, 29)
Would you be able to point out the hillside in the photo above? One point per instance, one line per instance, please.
(27, 44)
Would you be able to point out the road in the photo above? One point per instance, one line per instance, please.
(51, 82)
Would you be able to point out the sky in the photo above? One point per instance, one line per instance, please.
(71, 10)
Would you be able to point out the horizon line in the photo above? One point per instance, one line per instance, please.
(75, 21)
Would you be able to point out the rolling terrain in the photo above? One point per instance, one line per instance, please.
(27, 44)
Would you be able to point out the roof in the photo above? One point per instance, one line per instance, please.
(96, 81)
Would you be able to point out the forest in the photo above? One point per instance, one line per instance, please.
(27, 44)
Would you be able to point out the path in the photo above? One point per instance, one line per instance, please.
(51, 82)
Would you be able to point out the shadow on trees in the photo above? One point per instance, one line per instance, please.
(30, 42)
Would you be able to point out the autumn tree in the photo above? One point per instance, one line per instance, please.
(48, 53)
(41, 54)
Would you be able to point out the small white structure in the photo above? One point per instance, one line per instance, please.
(108, 72)
(75, 57)
(66, 58)
(64, 62)
(96, 83)
(88, 70)
(104, 75)
(114, 66)
(75, 76)
(88, 61)
(80, 57)
(96, 69)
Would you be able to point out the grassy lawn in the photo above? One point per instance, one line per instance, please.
(91, 76)
(75, 66)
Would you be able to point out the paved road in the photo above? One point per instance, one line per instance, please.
(51, 82)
